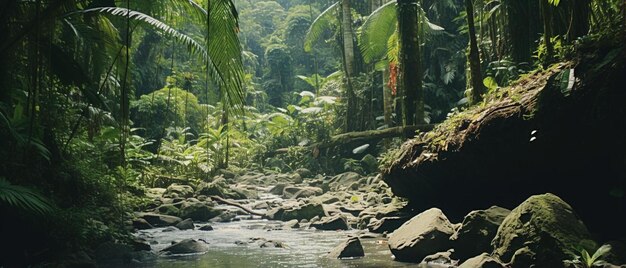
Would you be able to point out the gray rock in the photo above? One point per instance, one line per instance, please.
(141, 224)
(477, 230)
(307, 211)
(331, 223)
(158, 220)
(179, 190)
(539, 232)
(304, 173)
(278, 189)
(291, 224)
(168, 209)
(343, 180)
(351, 248)
(186, 224)
(294, 192)
(441, 259)
(482, 261)
(187, 246)
(199, 212)
(206, 228)
(422, 235)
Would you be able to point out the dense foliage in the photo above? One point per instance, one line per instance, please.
(100, 99)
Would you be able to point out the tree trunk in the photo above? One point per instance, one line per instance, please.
(474, 56)
(546, 14)
(348, 59)
(387, 98)
(410, 70)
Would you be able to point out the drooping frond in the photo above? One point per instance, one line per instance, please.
(225, 51)
(24, 198)
(222, 55)
(376, 30)
(326, 20)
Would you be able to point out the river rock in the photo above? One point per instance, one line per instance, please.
(295, 192)
(158, 220)
(351, 248)
(539, 232)
(206, 228)
(187, 246)
(369, 163)
(291, 224)
(186, 224)
(178, 189)
(424, 234)
(199, 211)
(331, 223)
(220, 188)
(168, 209)
(307, 211)
(482, 261)
(141, 224)
(441, 259)
(278, 189)
(386, 224)
(304, 173)
(343, 180)
(477, 230)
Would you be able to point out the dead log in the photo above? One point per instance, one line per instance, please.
(235, 204)
(363, 136)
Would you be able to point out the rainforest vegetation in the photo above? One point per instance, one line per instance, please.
(133, 132)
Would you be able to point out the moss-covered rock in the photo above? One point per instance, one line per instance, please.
(178, 190)
(539, 232)
(198, 211)
(220, 188)
(477, 230)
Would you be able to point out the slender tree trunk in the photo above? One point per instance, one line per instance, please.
(410, 80)
(474, 56)
(348, 59)
(387, 99)
(546, 14)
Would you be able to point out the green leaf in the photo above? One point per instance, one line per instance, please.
(325, 21)
(24, 198)
(490, 83)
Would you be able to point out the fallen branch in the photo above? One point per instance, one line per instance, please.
(235, 204)
(363, 136)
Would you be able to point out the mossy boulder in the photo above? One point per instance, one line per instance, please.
(539, 232)
(425, 234)
(307, 211)
(220, 188)
(479, 227)
(198, 211)
(178, 190)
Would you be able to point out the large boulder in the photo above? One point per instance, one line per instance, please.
(186, 224)
(187, 246)
(477, 230)
(482, 261)
(307, 211)
(331, 223)
(539, 232)
(350, 248)
(158, 220)
(198, 211)
(423, 235)
(167, 209)
(179, 190)
(141, 224)
(278, 189)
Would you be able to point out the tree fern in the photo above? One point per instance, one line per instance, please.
(376, 30)
(24, 198)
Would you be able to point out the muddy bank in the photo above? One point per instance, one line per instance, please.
(562, 130)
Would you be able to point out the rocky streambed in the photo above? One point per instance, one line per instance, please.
(347, 220)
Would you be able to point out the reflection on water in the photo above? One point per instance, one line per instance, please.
(304, 248)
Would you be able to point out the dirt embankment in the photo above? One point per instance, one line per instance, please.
(562, 130)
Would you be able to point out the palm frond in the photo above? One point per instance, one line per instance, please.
(325, 21)
(376, 30)
(24, 198)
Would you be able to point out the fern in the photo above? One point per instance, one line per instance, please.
(24, 198)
